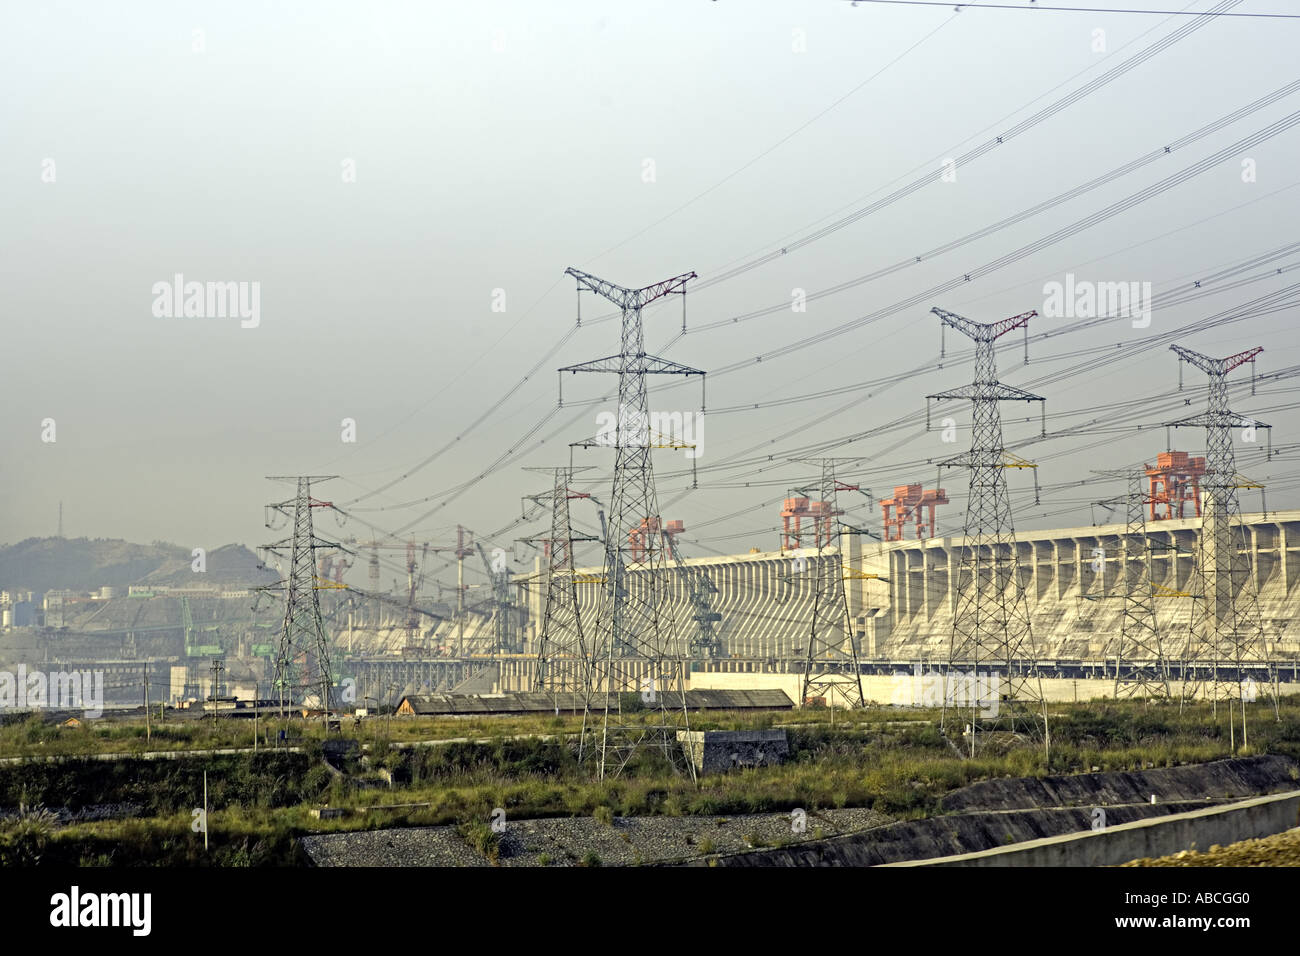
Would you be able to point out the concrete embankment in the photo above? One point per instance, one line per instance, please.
(1116, 844)
(997, 814)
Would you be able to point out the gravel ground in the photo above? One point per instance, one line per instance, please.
(1281, 849)
(573, 841)
(414, 846)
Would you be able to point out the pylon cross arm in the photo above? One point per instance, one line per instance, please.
(653, 365)
(615, 293)
(995, 392)
(659, 289)
(628, 298)
(1229, 419)
(983, 331)
(1213, 366)
(1241, 358)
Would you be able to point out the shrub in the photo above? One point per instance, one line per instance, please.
(482, 838)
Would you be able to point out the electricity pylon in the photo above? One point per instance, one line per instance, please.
(302, 662)
(1141, 669)
(637, 678)
(562, 653)
(831, 664)
(1226, 631)
(991, 626)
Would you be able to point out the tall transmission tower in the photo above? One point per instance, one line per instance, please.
(302, 662)
(1226, 631)
(991, 631)
(1141, 668)
(637, 679)
(831, 668)
(562, 652)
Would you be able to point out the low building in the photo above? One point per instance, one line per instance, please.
(533, 702)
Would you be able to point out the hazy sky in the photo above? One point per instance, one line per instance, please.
(382, 169)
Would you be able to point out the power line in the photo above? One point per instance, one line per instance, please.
(1021, 127)
(779, 143)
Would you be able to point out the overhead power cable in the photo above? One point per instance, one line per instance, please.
(1034, 120)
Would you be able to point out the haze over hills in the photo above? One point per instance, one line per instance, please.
(43, 564)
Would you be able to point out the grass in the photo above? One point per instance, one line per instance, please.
(31, 736)
(482, 838)
(260, 803)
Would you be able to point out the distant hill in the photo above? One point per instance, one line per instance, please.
(43, 564)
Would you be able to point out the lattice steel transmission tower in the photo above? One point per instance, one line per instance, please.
(831, 668)
(1141, 669)
(637, 680)
(563, 657)
(302, 661)
(991, 631)
(1226, 630)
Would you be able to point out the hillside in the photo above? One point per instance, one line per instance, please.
(42, 564)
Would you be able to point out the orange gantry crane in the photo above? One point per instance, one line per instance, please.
(638, 538)
(911, 503)
(795, 512)
(1174, 482)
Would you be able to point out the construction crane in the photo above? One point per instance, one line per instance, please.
(505, 631)
(415, 580)
(706, 642)
(698, 584)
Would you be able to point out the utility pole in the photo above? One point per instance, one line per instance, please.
(1226, 631)
(148, 729)
(635, 647)
(302, 662)
(214, 692)
(991, 628)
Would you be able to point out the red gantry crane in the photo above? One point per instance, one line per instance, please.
(911, 503)
(1175, 481)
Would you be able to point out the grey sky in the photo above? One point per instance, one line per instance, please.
(497, 143)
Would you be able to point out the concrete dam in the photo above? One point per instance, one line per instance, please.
(902, 601)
